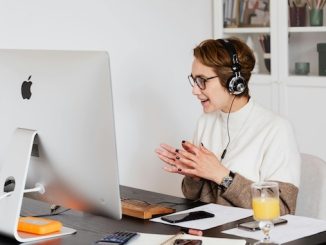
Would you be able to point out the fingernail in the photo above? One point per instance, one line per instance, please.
(177, 157)
(176, 150)
(183, 141)
(202, 144)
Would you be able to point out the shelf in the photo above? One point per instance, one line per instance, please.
(307, 29)
(306, 81)
(247, 30)
(286, 49)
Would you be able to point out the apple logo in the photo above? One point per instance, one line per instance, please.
(26, 88)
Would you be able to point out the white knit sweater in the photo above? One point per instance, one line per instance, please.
(262, 145)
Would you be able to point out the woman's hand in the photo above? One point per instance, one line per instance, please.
(193, 161)
(201, 162)
(169, 155)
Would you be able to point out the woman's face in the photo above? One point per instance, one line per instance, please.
(214, 97)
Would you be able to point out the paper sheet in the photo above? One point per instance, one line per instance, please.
(223, 215)
(297, 227)
(157, 239)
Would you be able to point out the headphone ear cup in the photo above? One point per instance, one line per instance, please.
(236, 85)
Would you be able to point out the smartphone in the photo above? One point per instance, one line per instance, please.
(176, 218)
(254, 225)
(187, 242)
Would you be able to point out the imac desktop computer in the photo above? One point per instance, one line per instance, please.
(57, 134)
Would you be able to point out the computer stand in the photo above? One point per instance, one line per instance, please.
(15, 167)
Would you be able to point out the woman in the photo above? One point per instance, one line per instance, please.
(237, 142)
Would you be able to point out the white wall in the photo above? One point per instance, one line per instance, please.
(150, 44)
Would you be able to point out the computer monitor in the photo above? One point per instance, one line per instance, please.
(66, 96)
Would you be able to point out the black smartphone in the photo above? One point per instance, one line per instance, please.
(187, 242)
(254, 225)
(176, 218)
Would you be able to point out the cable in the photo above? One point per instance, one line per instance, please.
(54, 208)
(227, 128)
(155, 203)
(225, 149)
(47, 214)
(38, 188)
(6, 195)
(177, 203)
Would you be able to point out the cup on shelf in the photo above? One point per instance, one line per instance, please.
(297, 16)
(316, 17)
(301, 68)
(267, 61)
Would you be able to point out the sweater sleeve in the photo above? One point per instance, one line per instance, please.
(281, 160)
(192, 188)
(203, 190)
(239, 194)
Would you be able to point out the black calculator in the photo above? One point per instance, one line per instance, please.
(120, 237)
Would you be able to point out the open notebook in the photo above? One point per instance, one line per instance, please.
(158, 239)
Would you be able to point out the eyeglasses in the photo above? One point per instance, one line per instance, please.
(199, 81)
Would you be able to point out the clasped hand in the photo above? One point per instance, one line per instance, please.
(193, 161)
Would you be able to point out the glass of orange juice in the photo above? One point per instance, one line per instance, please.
(266, 206)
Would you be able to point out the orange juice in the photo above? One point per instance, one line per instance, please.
(266, 208)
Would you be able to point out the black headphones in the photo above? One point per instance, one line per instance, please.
(236, 84)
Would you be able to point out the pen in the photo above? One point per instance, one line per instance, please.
(182, 232)
(167, 242)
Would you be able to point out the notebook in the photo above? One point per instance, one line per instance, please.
(159, 239)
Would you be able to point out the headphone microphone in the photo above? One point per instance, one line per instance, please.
(236, 84)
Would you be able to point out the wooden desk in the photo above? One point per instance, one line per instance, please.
(91, 228)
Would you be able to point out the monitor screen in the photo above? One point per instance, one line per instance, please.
(66, 96)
